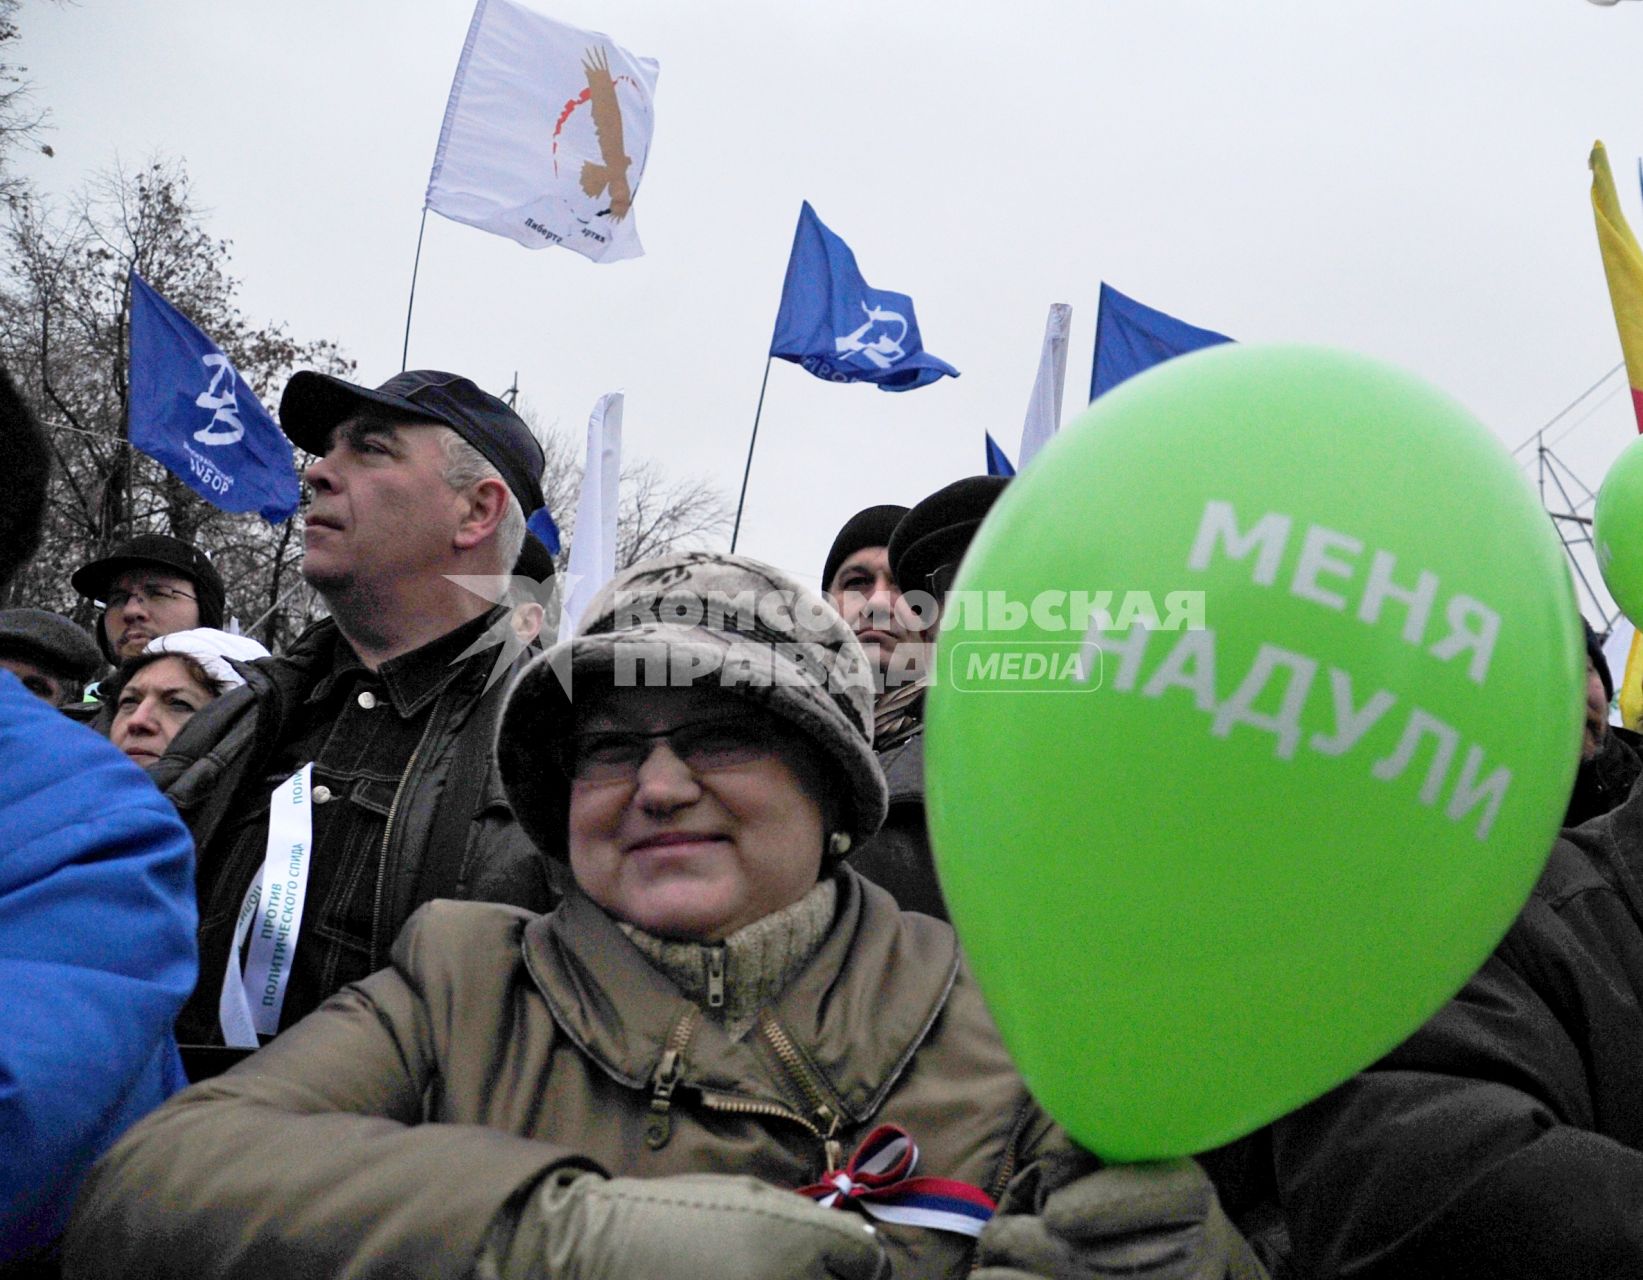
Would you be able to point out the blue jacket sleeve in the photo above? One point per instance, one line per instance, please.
(97, 920)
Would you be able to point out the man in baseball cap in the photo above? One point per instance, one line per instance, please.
(418, 485)
(150, 586)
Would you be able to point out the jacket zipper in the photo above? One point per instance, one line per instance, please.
(716, 978)
(387, 835)
(1006, 1169)
(743, 1107)
(668, 1071)
(827, 1118)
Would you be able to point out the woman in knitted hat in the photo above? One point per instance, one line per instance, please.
(725, 1054)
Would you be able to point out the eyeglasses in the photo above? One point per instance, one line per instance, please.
(146, 593)
(609, 756)
(941, 579)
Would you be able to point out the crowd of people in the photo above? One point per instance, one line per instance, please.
(631, 960)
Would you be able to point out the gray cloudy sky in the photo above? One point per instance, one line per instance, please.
(1406, 178)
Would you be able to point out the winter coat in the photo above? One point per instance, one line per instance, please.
(96, 957)
(898, 856)
(1604, 781)
(391, 1126)
(1505, 1138)
(216, 765)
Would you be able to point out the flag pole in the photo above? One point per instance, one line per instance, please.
(757, 413)
(405, 351)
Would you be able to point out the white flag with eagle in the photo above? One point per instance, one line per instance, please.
(545, 134)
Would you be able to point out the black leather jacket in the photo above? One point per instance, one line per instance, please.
(216, 765)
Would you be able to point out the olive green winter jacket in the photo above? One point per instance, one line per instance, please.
(383, 1134)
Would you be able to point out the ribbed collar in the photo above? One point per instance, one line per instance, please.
(753, 965)
(858, 1009)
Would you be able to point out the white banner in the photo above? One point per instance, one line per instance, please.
(251, 1002)
(593, 541)
(546, 134)
(1044, 409)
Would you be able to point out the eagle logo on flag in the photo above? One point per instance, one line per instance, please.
(608, 176)
(612, 175)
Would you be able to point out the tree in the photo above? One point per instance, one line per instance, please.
(64, 305)
(21, 123)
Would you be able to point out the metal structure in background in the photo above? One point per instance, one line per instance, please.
(1567, 499)
(1573, 528)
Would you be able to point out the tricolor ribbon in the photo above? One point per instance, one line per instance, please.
(877, 1179)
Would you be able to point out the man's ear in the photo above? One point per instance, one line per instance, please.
(487, 503)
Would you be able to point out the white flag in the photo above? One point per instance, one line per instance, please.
(1044, 409)
(545, 134)
(593, 540)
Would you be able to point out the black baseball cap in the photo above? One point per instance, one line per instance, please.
(95, 580)
(314, 403)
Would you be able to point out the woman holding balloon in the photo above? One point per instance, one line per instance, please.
(724, 1054)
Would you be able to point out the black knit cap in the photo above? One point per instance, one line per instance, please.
(938, 530)
(535, 560)
(48, 640)
(1594, 651)
(314, 403)
(870, 527)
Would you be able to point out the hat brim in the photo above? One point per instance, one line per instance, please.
(315, 403)
(541, 712)
(94, 580)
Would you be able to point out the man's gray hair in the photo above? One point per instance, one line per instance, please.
(466, 466)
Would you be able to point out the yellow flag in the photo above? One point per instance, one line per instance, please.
(1623, 265)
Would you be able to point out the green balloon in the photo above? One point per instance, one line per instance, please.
(1617, 528)
(1227, 846)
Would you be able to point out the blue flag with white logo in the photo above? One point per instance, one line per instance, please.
(1131, 337)
(841, 329)
(998, 464)
(190, 411)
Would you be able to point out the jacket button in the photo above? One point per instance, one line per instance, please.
(367, 700)
(321, 794)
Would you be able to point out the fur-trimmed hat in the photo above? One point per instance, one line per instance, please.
(699, 619)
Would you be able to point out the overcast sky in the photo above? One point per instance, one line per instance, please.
(1406, 178)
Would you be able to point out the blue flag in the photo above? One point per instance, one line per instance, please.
(997, 463)
(190, 412)
(841, 329)
(1131, 337)
(547, 532)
